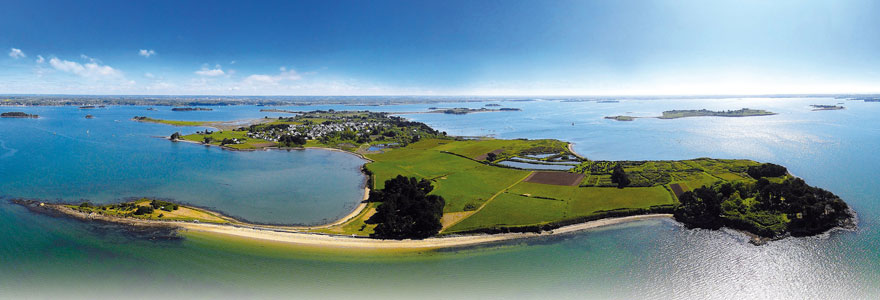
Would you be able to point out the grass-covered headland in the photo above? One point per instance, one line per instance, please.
(425, 183)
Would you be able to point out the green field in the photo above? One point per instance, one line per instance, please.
(174, 123)
(459, 180)
(484, 196)
(474, 149)
(537, 204)
(217, 136)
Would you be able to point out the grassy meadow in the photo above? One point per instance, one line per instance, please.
(481, 195)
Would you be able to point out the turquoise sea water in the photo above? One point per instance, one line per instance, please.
(66, 156)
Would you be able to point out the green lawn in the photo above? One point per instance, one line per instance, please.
(228, 134)
(534, 204)
(175, 123)
(476, 148)
(459, 180)
(510, 209)
(463, 181)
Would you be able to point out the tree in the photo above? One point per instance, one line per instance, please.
(699, 208)
(143, 210)
(175, 136)
(491, 156)
(288, 140)
(208, 139)
(619, 177)
(767, 170)
(406, 210)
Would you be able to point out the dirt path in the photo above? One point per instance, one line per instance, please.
(464, 215)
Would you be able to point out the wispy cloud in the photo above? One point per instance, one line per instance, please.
(40, 59)
(216, 71)
(285, 75)
(149, 75)
(16, 53)
(146, 53)
(91, 69)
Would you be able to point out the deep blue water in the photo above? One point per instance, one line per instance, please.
(66, 156)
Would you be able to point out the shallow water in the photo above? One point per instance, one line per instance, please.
(65, 157)
(530, 166)
(647, 259)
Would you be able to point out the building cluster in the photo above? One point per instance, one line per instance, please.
(316, 131)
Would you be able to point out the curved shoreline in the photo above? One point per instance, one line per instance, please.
(296, 235)
(340, 241)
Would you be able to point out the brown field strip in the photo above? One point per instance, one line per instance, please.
(678, 189)
(555, 178)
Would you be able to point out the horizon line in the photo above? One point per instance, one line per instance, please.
(462, 95)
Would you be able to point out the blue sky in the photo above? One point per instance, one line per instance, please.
(440, 47)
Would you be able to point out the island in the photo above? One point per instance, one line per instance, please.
(280, 111)
(90, 117)
(461, 110)
(817, 107)
(621, 118)
(745, 112)
(676, 114)
(492, 104)
(191, 109)
(18, 114)
(426, 189)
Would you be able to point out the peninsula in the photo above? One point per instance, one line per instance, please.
(449, 191)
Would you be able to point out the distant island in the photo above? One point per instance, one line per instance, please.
(745, 112)
(676, 114)
(621, 118)
(493, 104)
(191, 109)
(17, 114)
(817, 107)
(280, 111)
(424, 184)
(463, 110)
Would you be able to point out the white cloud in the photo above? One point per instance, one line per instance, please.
(149, 75)
(92, 69)
(285, 75)
(216, 71)
(16, 53)
(40, 59)
(146, 53)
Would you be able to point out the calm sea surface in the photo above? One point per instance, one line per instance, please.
(65, 157)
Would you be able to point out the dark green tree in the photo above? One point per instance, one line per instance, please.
(288, 140)
(406, 210)
(619, 177)
(491, 156)
(175, 136)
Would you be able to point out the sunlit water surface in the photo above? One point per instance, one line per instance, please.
(64, 156)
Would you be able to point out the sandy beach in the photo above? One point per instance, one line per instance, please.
(295, 235)
(336, 241)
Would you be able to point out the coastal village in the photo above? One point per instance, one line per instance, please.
(316, 131)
